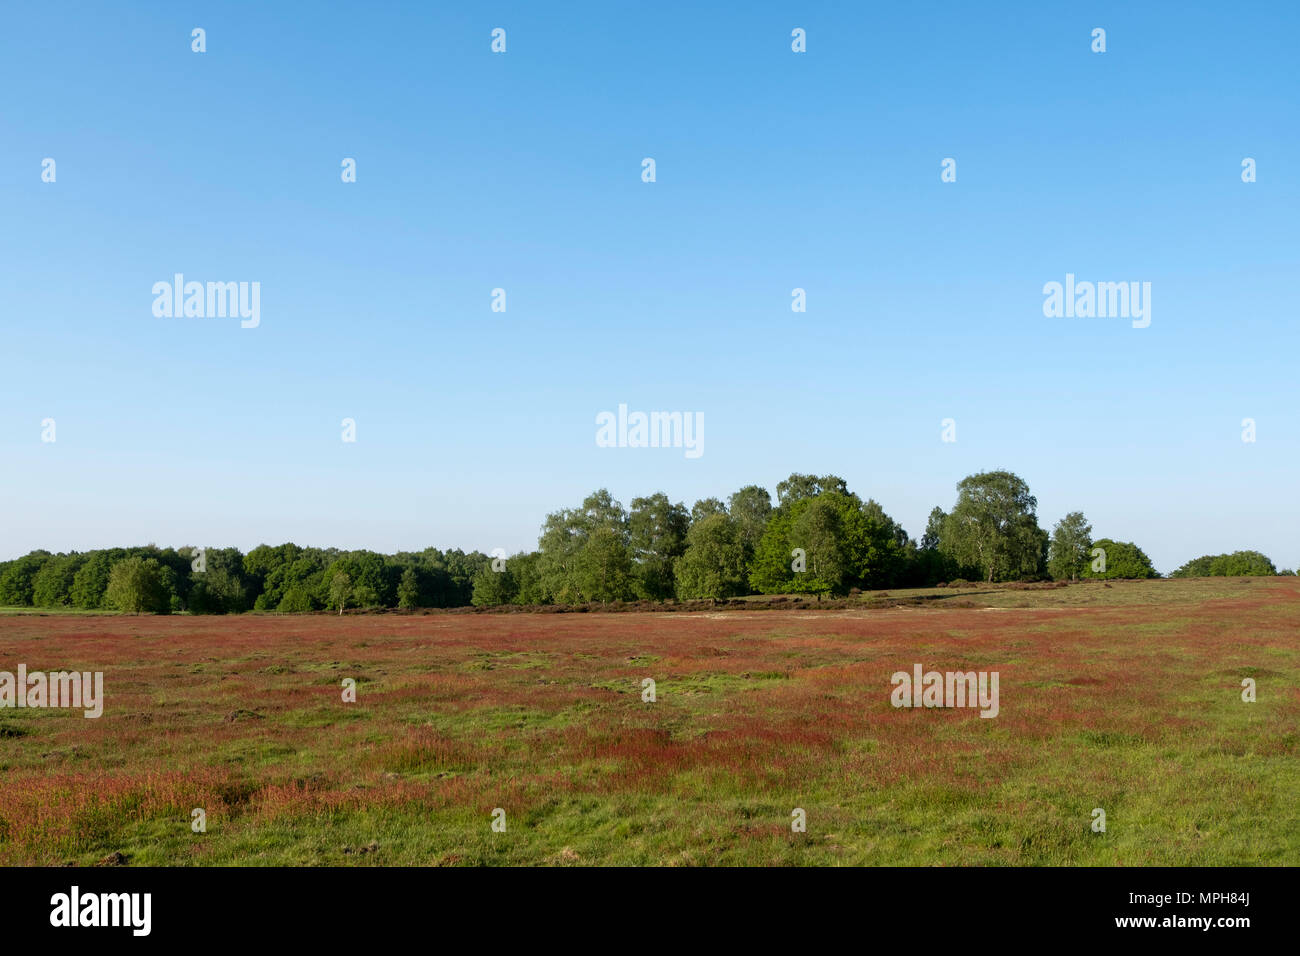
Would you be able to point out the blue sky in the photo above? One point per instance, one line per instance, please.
(522, 171)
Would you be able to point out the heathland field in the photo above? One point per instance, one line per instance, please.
(1126, 698)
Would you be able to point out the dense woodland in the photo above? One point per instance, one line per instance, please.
(817, 538)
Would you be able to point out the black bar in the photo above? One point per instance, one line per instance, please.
(648, 906)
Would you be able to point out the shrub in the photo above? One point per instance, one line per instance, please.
(1237, 564)
(1123, 560)
(295, 599)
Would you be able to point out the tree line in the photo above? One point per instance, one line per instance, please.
(224, 580)
(818, 537)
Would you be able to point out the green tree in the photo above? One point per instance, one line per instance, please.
(1196, 568)
(933, 529)
(605, 567)
(657, 537)
(751, 508)
(1123, 559)
(52, 585)
(340, 590)
(797, 487)
(460, 568)
(844, 541)
(882, 550)
(1234, 565)
(136, 585)
(528, 581)
(363, 596)
(268, 573)
(296, 599)
(714, 562)
(90, 583)
(564, 570)
(374, 578)
(819, 530)
(435, 586)
(705, 507)
(822, 530)
(493, 587)
(932, 562)
(17, 581)
(408, 590)
(219, 587)
(993, 527)
(171, 586)
(1071, 542)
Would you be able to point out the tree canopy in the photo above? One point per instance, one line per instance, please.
(1234, 565)
(1069, 547)
(819, 538)
(1119, 559)
(993, 527)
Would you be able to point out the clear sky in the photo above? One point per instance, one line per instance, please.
(523, 171)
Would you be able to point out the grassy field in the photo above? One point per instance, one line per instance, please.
(1126, 698)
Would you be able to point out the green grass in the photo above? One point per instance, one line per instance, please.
(1126, 699)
